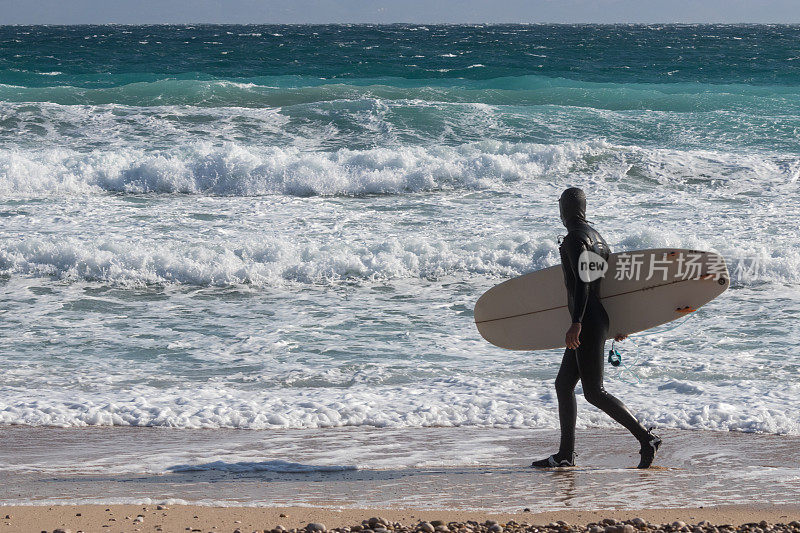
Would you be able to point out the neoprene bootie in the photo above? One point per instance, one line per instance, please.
(554, 461)
(649, 449)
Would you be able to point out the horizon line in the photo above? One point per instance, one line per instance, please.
(403, 24)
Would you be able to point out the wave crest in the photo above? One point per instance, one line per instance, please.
(238, 170)
(267, 262)
(526, 90)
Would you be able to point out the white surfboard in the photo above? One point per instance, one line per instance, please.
(641, 289)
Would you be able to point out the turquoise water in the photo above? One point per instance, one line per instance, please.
(97, 56)
(644, 85)
(288, 226)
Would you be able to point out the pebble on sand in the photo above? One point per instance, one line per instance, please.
(606, 525)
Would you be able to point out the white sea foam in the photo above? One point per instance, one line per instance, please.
(234, 169)
(445, 402)
(274, 260)
(265, 262)
(199, 284)
(241, 170)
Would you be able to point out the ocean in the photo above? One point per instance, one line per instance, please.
(287, 227)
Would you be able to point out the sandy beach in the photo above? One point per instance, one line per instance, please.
(122, 518)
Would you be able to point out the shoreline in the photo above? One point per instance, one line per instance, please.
(113, 518)
(428, 468)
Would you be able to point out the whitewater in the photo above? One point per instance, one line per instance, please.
(287, 227)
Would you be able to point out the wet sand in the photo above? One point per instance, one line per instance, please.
(427, 468)
(101, 479)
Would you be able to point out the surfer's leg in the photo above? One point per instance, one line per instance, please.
(567, 413)
(567, 407)
(590, 359)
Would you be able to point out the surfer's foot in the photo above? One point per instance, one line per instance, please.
(649, 449)
(555, 461)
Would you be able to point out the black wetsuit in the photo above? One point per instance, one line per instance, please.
(585, 363)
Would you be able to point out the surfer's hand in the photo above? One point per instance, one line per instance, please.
(573, 333)
(620, 337)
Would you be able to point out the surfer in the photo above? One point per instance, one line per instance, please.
(585, 339)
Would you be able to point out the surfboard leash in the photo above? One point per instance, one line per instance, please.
(615, 356)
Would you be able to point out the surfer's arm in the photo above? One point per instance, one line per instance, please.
(580, 291)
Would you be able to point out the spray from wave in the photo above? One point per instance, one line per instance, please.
(237, 170)
(243, 170)
(274, 261)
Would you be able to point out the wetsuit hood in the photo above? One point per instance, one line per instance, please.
(572, 206)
